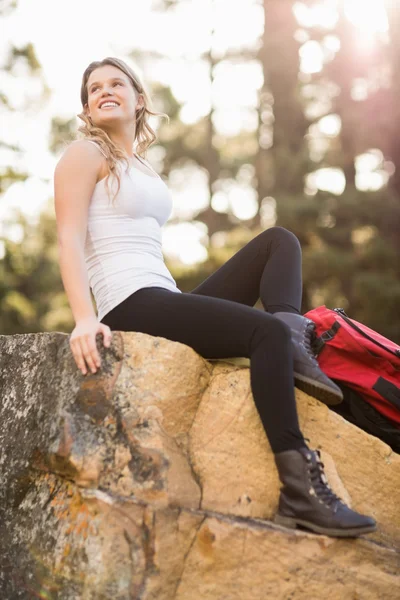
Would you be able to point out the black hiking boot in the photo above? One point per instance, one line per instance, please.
(306, 500)
(307, 373)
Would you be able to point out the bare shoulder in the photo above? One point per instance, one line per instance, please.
(82, 159)
(75, 178)
(82, 150)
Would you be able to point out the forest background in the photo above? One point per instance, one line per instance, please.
(282, 113)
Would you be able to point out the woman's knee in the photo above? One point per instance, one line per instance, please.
(280, 234)
(273, 331)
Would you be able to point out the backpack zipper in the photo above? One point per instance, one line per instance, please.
(341, 312)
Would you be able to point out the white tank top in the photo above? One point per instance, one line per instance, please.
(123, 242)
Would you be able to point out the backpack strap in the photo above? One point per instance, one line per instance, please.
(355, 410)
(328, 335)
(387, 390)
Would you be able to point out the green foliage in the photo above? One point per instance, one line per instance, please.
(26, 52)
(7, 6)
(10, 176)
(377, 298)
(62, 132)
(32, 298)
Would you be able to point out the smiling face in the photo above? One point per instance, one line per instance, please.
(112, 98)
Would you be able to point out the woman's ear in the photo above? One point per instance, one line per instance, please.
(87, 115)
(140, 102)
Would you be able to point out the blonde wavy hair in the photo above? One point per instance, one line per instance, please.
(144, 134)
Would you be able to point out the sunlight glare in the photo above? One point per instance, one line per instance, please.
(311, 57)
(183, 241)
(236, 83)
(371, 181)
(189, 187)
(367, 15)
(243, 201)
(330, 125)
(321, 14)
(328, 180)
(28, 196)
(369, 161)
(331, 43)
(231, 121)
(268, 214)
(244, 24)
(220, 202)
(359, 89)
(370, 172)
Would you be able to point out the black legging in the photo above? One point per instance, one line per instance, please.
(218, 319)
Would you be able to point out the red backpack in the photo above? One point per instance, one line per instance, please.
(359, 358)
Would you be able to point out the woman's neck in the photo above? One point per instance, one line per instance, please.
(125, 141)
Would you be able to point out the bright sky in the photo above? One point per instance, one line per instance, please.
(67, 36)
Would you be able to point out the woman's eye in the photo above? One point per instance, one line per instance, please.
(96, 87)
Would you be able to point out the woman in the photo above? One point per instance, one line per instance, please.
(110, 237)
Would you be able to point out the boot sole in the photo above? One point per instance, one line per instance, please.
(318, 390)
(292, 523)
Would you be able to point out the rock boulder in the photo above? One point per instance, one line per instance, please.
(154, 479)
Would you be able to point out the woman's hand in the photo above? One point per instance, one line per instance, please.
(83, 343)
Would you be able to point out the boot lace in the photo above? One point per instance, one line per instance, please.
(320, 482)
(309, 340)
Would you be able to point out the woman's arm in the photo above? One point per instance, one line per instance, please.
(75, 177)
(75, 280)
